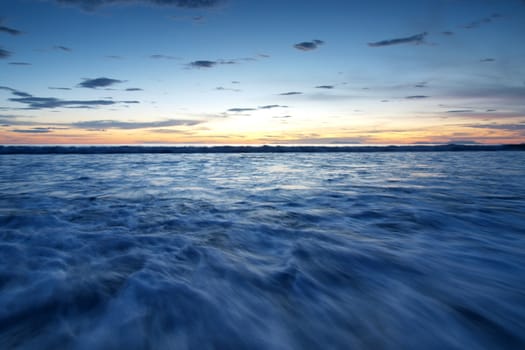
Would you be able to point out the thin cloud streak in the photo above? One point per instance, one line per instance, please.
(417, 39)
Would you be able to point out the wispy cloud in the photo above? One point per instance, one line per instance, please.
(94, 4)
(325, 87)
(32, 131)
(271, 106)
(486, 60)
(20, 64)
(482, 21)
(9, 30)
(461, 111)
(222, 88)
(115, 124)
(163, 57)
(4, 53)
(416, 97)
(309, 45)
(417, 39)
(506, 127)
(99, 82)
(58, 88)
(134, 89)
(34, 102)
(290, 93)
(62, 48)
(241, 110)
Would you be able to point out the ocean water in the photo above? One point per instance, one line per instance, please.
(263, 251)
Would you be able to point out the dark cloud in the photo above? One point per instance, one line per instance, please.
(33, 102)
(241, 110)
(272, 106)
(32, 131)
(115, 124)
(9, 30)
(447, 33)
(20, 64)
(203, 64)
(308, 45)
(213, 63)
(134, 89)
(290, 93)
(324, 87)
(487, 60)
(99, 82)
(422, 84)
(414, 39)
(461, 111)
(62, 48)
(416, 97)
(93, 4)
(4, 53)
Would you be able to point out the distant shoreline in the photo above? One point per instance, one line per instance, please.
(137, 149)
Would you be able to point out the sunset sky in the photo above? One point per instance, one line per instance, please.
(262, 72)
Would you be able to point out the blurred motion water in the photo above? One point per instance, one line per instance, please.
(263, 251)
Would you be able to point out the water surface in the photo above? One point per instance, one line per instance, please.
(263, 251)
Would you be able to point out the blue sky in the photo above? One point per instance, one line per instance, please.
(231, 71)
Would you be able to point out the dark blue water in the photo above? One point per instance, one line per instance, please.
(263, 251)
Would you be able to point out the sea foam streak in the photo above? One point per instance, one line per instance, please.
(259, 251)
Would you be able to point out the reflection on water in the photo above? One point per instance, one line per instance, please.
(262, 251)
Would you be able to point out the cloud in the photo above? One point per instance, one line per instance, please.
(416, 97)
(99, 82)
(203, 64)
(417, 39)
(134, 89)
(115, 124)
(58, 88)
(9, 30)
(308, 45)
(461, 111)
(487, 60)
(114, 57)
(213, 63)
(94, 4)
(447, 32)
(290, 93)
(33, 102)
(241, 110)
(479, 22)
(324, 87)
(506, 127)
(62, 48)
(422, 84)
(272, 106)
(20, 64)
(4, 53)
(222, 88)
(32, 131)
(282, 117)
(163, 57)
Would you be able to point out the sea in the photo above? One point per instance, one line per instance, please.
(263, 250)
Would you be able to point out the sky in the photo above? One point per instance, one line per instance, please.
(262, 72)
